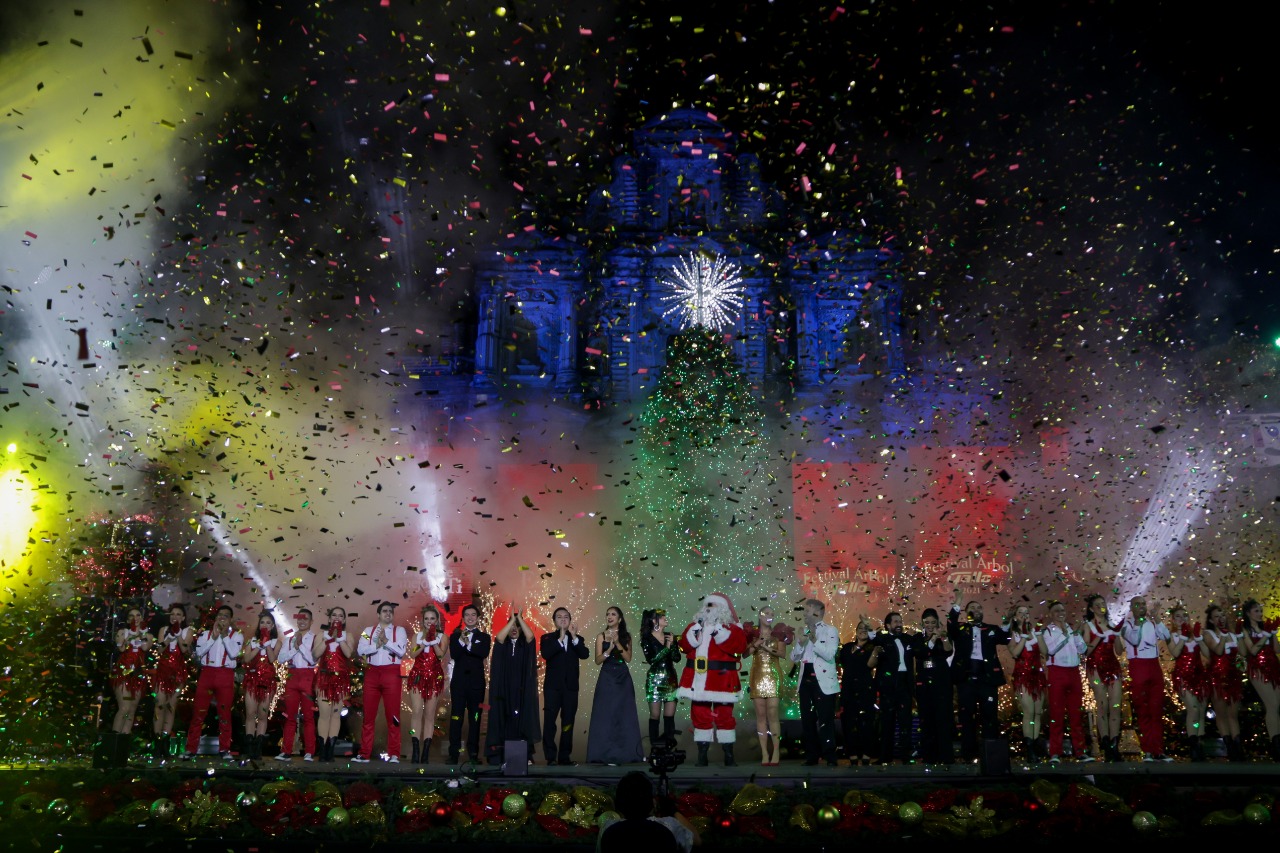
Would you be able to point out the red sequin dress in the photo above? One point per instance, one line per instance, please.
(427, 676)
(1102, 661)
(260, 679)
(130, 669)
(333, 672)
(1224, 675)
(1189, 672)
(1263, 663)
(1028, 671)
(171, 668)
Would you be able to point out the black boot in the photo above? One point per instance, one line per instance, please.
(120, 756)
(160, 748)
(653, 733)
(1195, 748)
(1112, 748)
(1235, 750)
(703, 749)
(669, 729)
(728, 755)
(415, 754)
(1275, 749)
(425, 757)
(329, 744)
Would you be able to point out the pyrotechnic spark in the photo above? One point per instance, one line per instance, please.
(705, 292)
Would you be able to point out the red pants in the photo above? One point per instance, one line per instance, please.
(1146, 695)
(299, 691)
(1066, 704)
(381, 684)
(216, 684)
(713, 721)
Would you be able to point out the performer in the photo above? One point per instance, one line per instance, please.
(1141, 638)
(513, 690)
(260, 682)
(1219, 654)
(171, 674)
(1103, 668)
(217, 649)
(819, 685)
(333, 680)
(713, 645)
(300, 652)
(1263, 665)
(562, 649)
(1061, 648)
(382, 646)
(468, 647)
(766, 645)
(977, 673)
(1030, 685)
(426, 683)
(894, 669)
(1190, 681)
(661, 653)
(931, 648)
(858, 694)
(129, 683)
(613, 736)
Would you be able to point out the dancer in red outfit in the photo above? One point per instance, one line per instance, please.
(713, 645)
(1142, 638)
(217, 650)
(1260, 648)
(1061, 648)
(260, 682)
(426, 683)
(1219, 653)
(1103, 667)
(382, 646)
(1190, 681)
(171, 675)
(1029, 682)
(129, 683)
(333, 680)
(300, 651)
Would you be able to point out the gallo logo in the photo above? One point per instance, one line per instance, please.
(841, 581)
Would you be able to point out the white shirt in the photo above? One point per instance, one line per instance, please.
(1142, 641)
(390, 653)
(1064, 649)
(902, 654)
(297, 651)
(219, 652)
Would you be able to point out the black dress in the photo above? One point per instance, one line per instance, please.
(857, 700)
(513, 696)
(614, 734)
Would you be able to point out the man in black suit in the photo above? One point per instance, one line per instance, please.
(934, 699)
(469, 647)
(561, 649)
(977, 673)
(894, 670)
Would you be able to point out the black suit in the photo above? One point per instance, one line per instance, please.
(560, 692)
(467, 689)
(934, 701)
(893, 689)
(977, 681)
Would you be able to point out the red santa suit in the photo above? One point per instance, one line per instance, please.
(713, 646)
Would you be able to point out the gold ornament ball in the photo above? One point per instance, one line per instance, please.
(1257, 814)
(514, 805)
(828, 816)
(164, 810)
(247, 800)
(337, 817)
(910, 813)
(58, 808)
(1145, 821)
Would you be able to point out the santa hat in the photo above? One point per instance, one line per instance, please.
(722, 601)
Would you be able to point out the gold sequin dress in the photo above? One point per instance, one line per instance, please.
(766, 670)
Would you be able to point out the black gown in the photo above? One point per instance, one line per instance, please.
(513, 695)
(614, 734)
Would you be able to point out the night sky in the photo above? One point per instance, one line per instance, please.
(259, 212)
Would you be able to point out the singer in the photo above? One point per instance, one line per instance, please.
(468, 646)
(563, 650)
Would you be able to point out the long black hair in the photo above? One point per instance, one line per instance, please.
(624, 636)
(1089, 615)
(1244, 615)
(257, 626)
(648, 622)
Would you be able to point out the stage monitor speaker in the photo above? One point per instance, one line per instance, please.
(995, 757)
(515, 758)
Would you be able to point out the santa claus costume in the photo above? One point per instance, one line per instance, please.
(713, 645)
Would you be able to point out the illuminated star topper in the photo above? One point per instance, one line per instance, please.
(704, 292)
